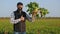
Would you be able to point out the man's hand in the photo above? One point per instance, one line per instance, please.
(22, 18)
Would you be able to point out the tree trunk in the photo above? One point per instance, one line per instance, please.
(33, 16)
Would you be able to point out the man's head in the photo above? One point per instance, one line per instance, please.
(19, 6)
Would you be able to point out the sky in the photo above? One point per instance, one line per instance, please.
(8, 6)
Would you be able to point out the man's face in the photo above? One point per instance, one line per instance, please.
(20, 7)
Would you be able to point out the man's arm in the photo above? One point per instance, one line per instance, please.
(28, 17)
(12, 19)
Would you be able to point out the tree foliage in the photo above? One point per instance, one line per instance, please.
(33, 9)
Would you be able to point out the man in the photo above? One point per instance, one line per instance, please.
(18, 19)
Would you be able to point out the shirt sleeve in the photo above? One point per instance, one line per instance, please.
(28, 17)
(12, 20)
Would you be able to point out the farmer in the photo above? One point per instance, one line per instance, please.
(18, 19)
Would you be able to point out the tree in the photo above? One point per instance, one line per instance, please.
(32, 9)
(43, 12)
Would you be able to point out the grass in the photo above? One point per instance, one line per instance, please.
(40, 26)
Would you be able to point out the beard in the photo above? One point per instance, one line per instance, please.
(19, 9)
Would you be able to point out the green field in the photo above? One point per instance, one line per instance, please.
(42, 26)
